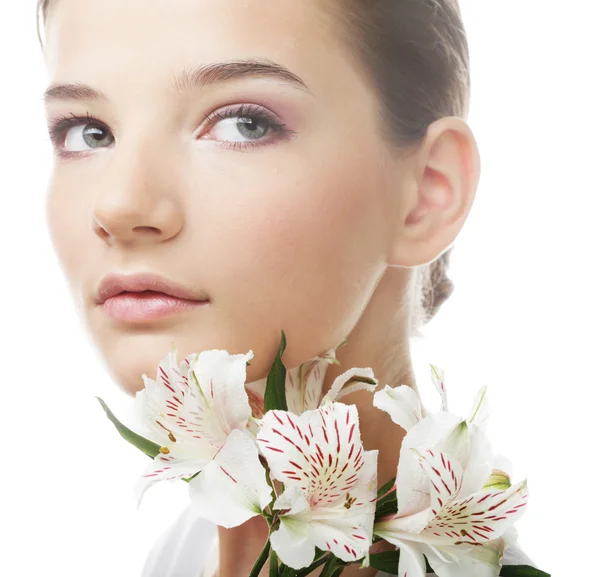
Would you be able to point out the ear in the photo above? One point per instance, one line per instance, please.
(437, 193)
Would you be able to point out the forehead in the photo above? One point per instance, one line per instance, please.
(93, 40)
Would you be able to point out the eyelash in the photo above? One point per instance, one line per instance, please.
(59, 127)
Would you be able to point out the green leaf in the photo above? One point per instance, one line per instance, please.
(387, 506)
(148, 447)
(522, 571)
(385, 488)
(275, 391)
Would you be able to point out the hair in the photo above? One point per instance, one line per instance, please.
(415, 53)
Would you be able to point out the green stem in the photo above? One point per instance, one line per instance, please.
(274, 565)
(262, 559)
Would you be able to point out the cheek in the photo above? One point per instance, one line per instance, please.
(66, 220)
(304, 255)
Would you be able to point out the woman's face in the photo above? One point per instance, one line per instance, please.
(283, 229)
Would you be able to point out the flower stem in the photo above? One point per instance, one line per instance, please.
(262, 559)
(274, 565)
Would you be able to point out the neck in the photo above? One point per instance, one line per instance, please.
(379, 340)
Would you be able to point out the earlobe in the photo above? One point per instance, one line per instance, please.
(446, 174)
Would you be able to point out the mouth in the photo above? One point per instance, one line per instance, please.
(129, 306)
(114, 285)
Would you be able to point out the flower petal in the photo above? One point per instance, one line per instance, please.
(437, 376)
(339, 389)
(347, 530)
(291, 541)
(221, 378)
(304, 385)
(445, 474)
(480, 518)
(414, 523)
(319, 451)
(402, 404)
(471, 561)
(480, 413)
(191, 419)
(479, 466)
(412, 483)
(165, 468)
(412, 561)
(232, 488)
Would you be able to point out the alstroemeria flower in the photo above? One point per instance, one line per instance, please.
(330, 483)
(198, 412)
(464, 446)
(462, 438)
(461, 530)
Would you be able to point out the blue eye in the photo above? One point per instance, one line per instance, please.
(253, 123)
(91, 131)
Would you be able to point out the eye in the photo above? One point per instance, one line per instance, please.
(246, 126)
(73, 134)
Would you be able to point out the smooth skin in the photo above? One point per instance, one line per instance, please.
(315, 231)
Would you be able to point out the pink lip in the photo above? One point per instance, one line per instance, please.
(146, 306)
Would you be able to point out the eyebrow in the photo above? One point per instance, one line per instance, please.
(190, 78)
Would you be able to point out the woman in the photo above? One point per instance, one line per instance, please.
(303, 166)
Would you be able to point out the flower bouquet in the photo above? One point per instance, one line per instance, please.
(276, 449)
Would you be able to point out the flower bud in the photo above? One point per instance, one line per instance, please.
(498, 480)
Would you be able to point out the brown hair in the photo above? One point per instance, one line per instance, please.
(415, 52)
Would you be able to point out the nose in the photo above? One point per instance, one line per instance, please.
(136, 202)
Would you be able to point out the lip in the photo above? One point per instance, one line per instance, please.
(146, 306)
(115, 284)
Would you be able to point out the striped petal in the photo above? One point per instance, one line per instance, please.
(221, 378)
(303, 384)
(165, 467)
(319, 455)
(480, 518)
(445, 476)
(347, 529)
(320, 451)
(191, 408)
(232, 488)
(412, 483)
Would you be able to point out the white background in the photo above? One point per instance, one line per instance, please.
(523, 318)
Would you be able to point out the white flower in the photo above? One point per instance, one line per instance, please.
(462, 438)
(330, 483)
(454, 463)
(199, 412)
(461, 530)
